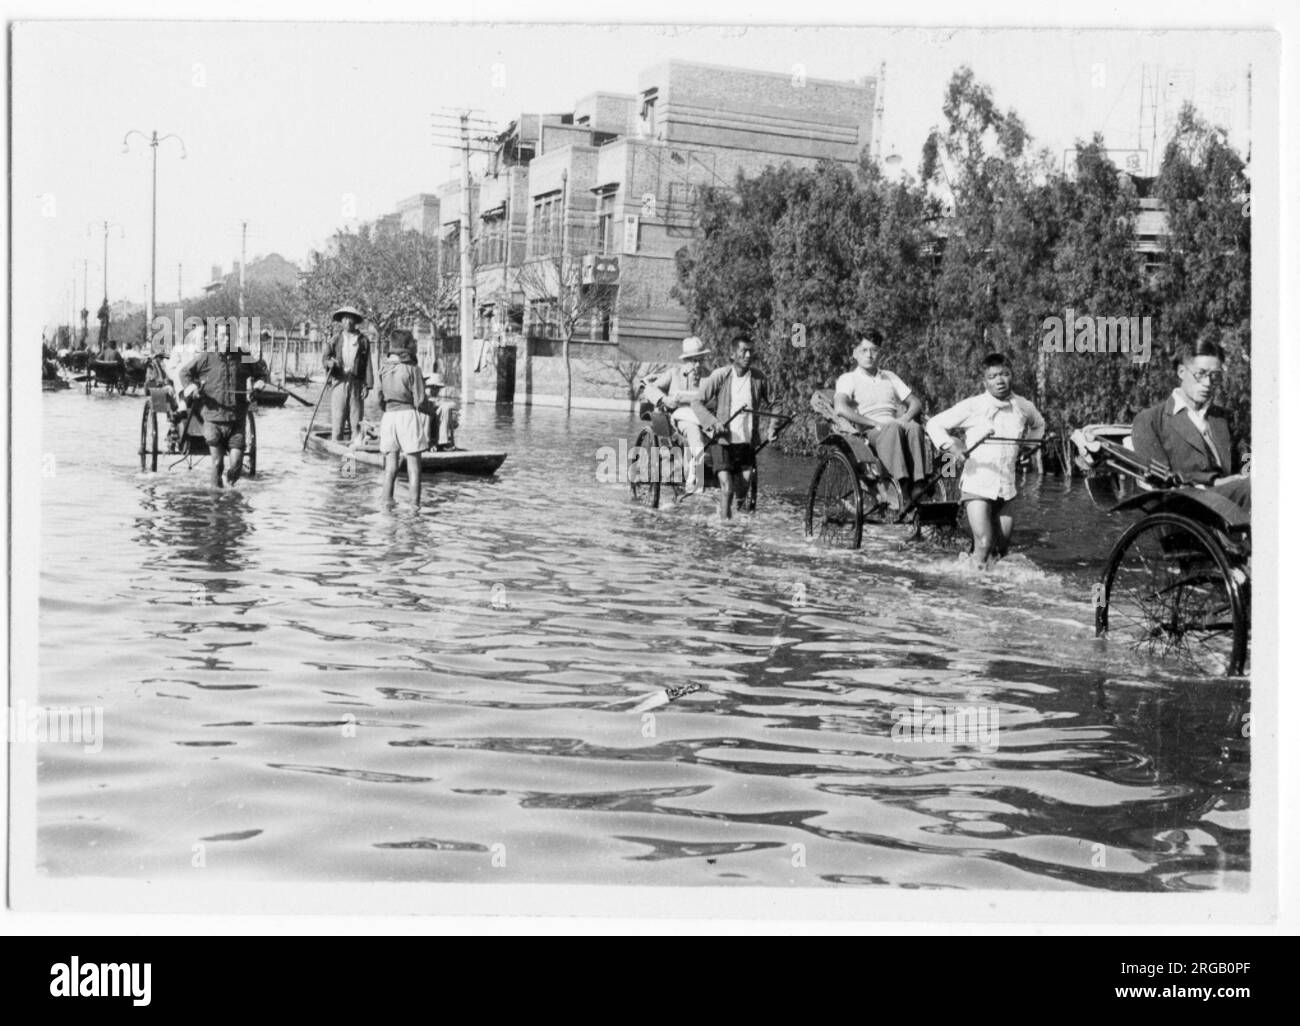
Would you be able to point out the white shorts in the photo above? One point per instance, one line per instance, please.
(404, 431)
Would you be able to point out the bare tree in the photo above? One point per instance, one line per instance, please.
(556, 279)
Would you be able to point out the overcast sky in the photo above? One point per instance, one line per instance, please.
(283, 122)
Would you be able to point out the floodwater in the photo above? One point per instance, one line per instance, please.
(299, 685)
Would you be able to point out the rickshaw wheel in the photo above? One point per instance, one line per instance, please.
(250, 453)
(834, 512)
(1169, 590)
(149, 437)
(643, 470)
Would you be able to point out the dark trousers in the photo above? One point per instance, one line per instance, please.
(901, 448)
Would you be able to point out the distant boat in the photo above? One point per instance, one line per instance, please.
(462, 461)
(270, 396)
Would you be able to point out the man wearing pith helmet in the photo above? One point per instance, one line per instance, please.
(348, 370)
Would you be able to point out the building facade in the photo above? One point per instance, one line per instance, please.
(577, 218)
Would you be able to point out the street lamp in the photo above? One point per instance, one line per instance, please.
(153, 245)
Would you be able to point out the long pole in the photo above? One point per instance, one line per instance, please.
(243, 250)
(105, 261)
(466, 294)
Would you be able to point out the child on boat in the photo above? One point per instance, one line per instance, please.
(403, 430)
(988, 481)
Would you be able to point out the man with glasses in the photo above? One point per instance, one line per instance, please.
(1188, 433)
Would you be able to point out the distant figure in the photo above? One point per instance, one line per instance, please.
(103, 316)
(441, 412)
(1188, 433)
(347, 367)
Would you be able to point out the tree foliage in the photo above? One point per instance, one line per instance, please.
(802, 260)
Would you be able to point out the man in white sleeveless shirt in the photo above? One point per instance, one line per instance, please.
(881, 402)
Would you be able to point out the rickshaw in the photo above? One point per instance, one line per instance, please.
(1176, 584)
(112, 374)
(660, 452)
(183, 436)
(851, 489)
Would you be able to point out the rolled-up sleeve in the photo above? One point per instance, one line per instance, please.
(939, 426)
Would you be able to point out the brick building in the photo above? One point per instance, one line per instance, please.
(607, 192)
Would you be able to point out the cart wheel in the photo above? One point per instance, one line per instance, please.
(149, 437)
(643, 471)
(834, 512)
(1170, 590)
(250, 451)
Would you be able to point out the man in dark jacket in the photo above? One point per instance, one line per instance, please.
(728, 406)
(219, 383)
(1188, 433)
(347, 366)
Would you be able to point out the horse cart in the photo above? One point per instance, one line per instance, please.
(1176, 584)
(660, 451)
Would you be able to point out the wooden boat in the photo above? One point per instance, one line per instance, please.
(460, 461)
(270, 396)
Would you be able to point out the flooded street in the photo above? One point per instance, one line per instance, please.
(309, 687)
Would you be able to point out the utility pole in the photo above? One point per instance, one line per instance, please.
(243, 259)
(877, 144)
(179, 297)
(466, 286)
(153, 245)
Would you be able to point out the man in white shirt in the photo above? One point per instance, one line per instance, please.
(988, 481)
(879, 401)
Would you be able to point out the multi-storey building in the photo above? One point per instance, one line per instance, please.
(608, 192)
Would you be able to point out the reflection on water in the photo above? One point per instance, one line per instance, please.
(306, 686)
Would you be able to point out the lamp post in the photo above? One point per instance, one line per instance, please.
(153, 142)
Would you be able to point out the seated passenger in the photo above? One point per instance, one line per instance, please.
(869, 397)
(676, 388)
(441, 413)
(1188, 433)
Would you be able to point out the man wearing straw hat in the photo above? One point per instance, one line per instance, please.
(347, 368)
(676, 388)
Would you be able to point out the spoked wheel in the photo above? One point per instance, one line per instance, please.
(883, 499)
(149, 437)
(643, 470)
(1170, 591)
(834, 513)
(250, 452)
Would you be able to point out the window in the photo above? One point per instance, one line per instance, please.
(451, 250)
(647, 126)
(492, 243)
(605, 222)
(542, 321)
(545, 236)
